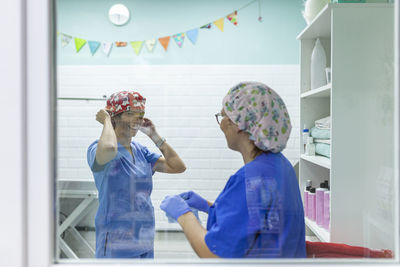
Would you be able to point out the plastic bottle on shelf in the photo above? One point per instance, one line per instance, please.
(327, 184)
(311, 204)
(310, 147)
(319, 203)
(327, 210)
(318, 66)
(305, 196)
(306, 134)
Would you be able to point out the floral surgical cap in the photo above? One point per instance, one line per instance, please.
(125, 101)
(261, 112)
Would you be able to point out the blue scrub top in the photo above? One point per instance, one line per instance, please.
(259, 214)
(125, 218)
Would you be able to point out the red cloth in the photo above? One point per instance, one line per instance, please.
(335, 250)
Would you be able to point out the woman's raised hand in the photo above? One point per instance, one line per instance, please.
(148, 127)
(102, 115)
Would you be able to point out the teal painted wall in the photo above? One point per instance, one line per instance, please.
(271, 42)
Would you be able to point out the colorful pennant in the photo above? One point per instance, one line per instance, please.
(150, 44)
(179, 37)
(137, 45)
(106, 47)
(220, 24)
(233, 18)
(121, 44)
(192, 35)
(79, 43)
(93, 45)
(207, 26)
(65, 39)
(164, 41)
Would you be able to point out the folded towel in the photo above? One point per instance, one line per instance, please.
(320, 133)
(324, 141)
(323, 149)
(324, 123)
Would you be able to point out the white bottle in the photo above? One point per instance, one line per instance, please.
(306, 134)
(310, 147)
(318, 65)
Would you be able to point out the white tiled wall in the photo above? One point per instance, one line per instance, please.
(181, 101)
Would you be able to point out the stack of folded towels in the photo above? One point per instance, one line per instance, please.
(322, 136)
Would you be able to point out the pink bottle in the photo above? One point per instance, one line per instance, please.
(305, 197)
(311, 204)
(319, 204)
(327, 210)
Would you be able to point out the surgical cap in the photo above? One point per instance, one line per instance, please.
(261, 112)
(125, 101)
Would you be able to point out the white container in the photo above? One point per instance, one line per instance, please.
(306, 134)
(318, 66)
(312, 8)
(328, 75)
(310, 147)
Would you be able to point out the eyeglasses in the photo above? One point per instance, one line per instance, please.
(217, 117)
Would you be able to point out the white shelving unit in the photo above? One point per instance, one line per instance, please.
(317, 160)
(322, 234)
(322, 92)
(358, 41)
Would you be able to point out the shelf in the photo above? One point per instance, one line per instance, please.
(320, 232)
(322, 92)
(321, 24)
(318, 160)
(319, 27)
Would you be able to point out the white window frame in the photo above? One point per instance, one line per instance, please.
(27, 163)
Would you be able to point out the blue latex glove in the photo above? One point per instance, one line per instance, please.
(195, 201)
(174, 206)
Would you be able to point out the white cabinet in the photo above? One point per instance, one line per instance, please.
(358, 41)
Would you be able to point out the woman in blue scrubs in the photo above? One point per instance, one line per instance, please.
(259, 213)
(123, 170)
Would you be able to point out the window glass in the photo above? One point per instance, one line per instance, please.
(203, 129)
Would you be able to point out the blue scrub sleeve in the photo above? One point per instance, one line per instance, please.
(151, 157)
(91, 155)
(228, 236)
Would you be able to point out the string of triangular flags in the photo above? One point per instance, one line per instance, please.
(179, 38)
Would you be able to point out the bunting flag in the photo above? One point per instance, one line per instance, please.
(106, 47)
(150, 44)
(79, 43)
(233, 18)
(137, 45)
(220, 24)
(93, 45)
(164, 41)
(121, 44)
(65, 39)
(207, 26)
(179, 37)
(192, 35)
